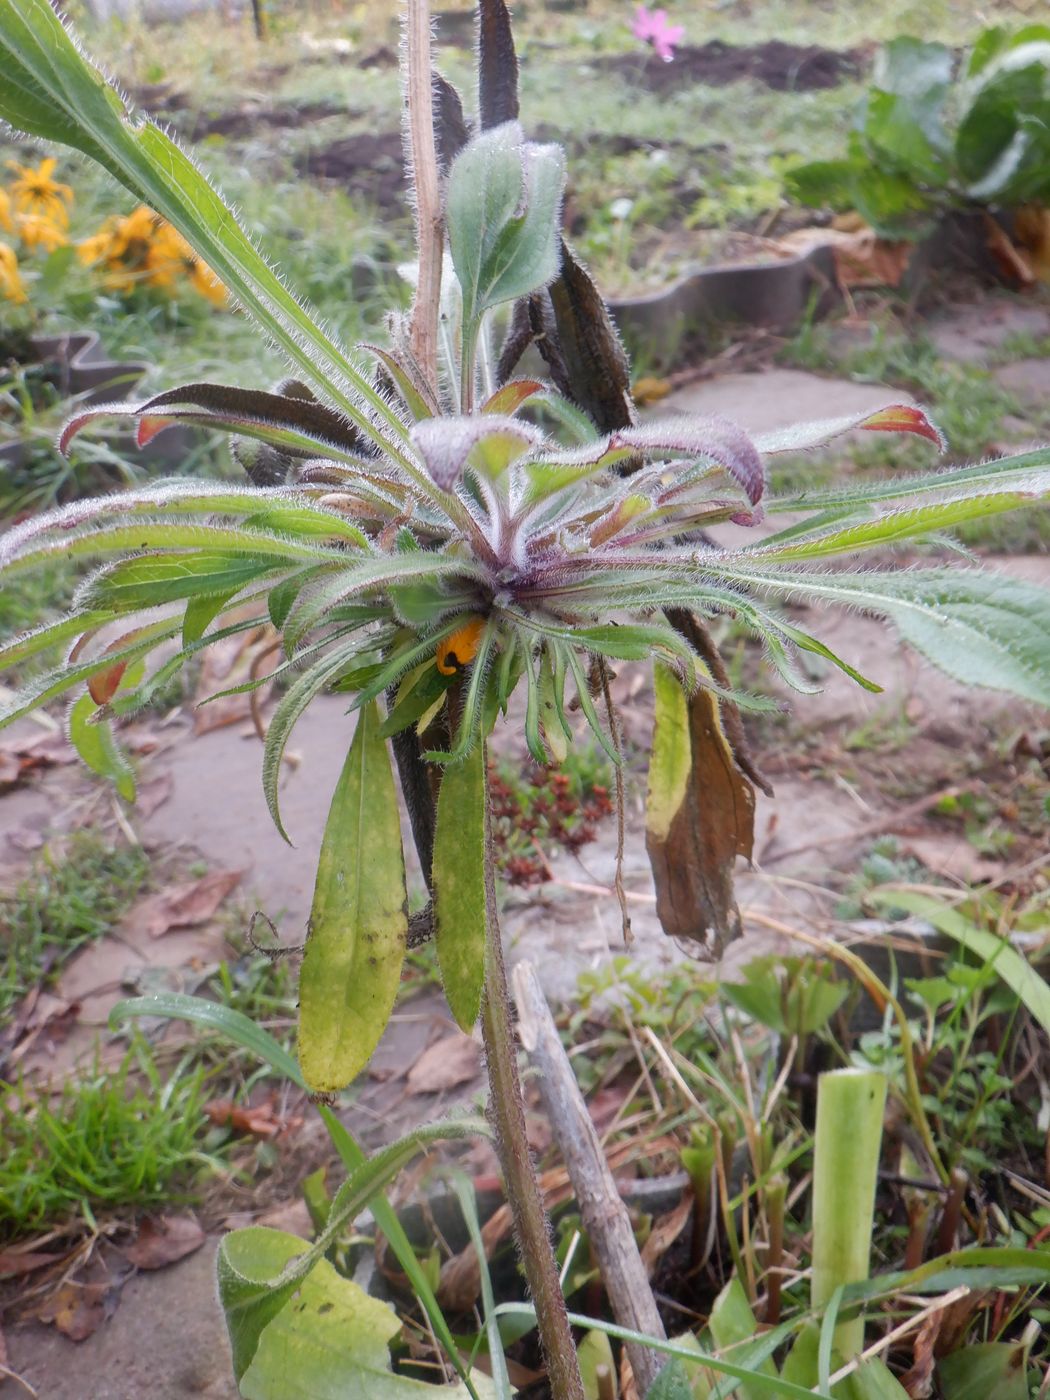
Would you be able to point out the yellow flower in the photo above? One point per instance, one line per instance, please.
(205, 282)
(168, 257)
(36, 231)
(6, 221)
(10, 282)
(36, 191)
(97, 245)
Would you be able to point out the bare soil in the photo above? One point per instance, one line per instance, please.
(778, 65)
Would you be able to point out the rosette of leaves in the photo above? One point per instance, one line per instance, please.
(428, 543)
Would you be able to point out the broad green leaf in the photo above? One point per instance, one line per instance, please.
(985, 1370)
(979, 627)
(248, 1034)
(253, 1292)
(201, 613)
(732, 1325)
(872, 1381)
(1014, 969)
(460, 906)
(671, 760)
(792, 996)
(502, 204)
(332, 1343)
(672, 1383)
(168, 534)
(98, 749)
(51, 90)
(358, 921)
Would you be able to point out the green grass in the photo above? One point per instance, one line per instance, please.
(115, 1142)
(74, 894)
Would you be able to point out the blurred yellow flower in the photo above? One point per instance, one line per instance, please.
(36, 191)
(10, 282)
(141, 248)
(36, 231)
(6, 221)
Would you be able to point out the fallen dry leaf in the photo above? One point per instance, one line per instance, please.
(76, 1309)
(862, 258)
(13, 1264)
(445, 1064)
(164, 1240)
(185, 906)
(665, 1231)
(261, 1121)
(953, 857)
(26, 841)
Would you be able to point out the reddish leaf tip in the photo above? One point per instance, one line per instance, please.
(905, 418)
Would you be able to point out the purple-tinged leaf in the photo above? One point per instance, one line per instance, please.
(582, 346)
(446, 444)
(415, 392)
(894, 418)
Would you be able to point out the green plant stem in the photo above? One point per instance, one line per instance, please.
(507, 1115)
(850, 1104)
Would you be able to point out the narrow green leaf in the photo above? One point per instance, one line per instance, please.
(358, 921)
(980, 627)
(291, 706)
(1014, 969)
(148, 581)
(99, 749)
(460, 853)
(51, 90)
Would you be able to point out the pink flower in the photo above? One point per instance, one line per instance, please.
(651, 27)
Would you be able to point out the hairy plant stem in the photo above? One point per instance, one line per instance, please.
(507, 1115)
(423, 330)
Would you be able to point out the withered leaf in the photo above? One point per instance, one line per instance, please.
(700, 817)
(186, 906)
(597, 375)
(164, 1240)
(497, 65)
(444, 1065)
(76, 1309)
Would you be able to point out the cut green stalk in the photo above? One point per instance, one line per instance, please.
(850, 1104)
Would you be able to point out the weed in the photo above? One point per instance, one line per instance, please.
(538, 807)
(112, 1141)
(75, 893)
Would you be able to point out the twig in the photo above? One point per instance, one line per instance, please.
(423, 329)
(506, 1110)
(604, 1215)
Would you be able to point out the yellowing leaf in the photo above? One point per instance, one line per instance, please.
(358, 923)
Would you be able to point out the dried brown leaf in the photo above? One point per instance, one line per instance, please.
(186, 905)
(444, 1065)
(75, 1309)
(163, 1241)
(666, 1229)
(13, 1264)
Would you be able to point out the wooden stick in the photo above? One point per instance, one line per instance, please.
(604, 1215)
(423, 329)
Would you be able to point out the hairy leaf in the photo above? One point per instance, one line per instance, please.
(358, 921)
(460, 907)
